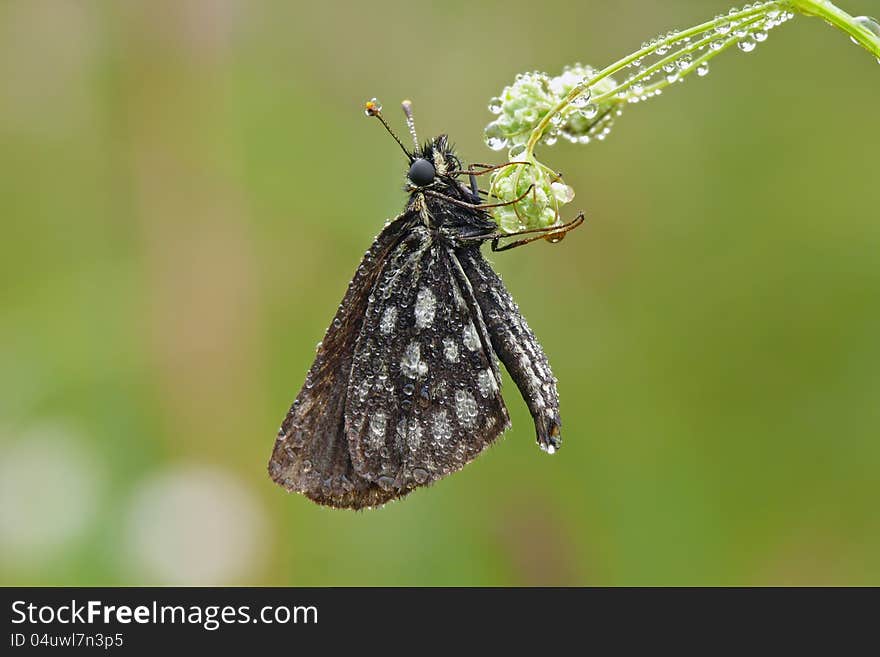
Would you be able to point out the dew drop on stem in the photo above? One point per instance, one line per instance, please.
(870, 24)
(747, 45)
(582, 99)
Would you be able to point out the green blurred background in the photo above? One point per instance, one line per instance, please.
(187, 187)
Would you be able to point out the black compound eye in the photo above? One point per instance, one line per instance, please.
(421, 173)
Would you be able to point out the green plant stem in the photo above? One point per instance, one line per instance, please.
(676, 48)
(638, 55)
(822, 8)
(841, 20)
(693, 47)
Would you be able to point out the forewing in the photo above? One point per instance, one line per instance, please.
(424, 397)
(311, 453)
(516, 346)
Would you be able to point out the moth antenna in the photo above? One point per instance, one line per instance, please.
(374, 108)
(410, 122)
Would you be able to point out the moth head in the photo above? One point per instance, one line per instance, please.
(421, 172)
(434, 161)
(428, 163)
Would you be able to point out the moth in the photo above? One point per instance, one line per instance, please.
(405, 387)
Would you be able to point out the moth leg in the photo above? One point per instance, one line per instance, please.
(552, 234)
(486, 168)
(477, 206)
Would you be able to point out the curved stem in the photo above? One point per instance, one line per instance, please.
(823, 8)
(640, 54)
(679, 54)
(841, 20)
(661, 63)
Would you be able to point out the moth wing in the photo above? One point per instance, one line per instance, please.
(311, 453)
(425, 393)
(517, 347)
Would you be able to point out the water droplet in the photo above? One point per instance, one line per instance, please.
(551, 138)
(408, 389)
(718, 44)
(746, 45)
(703, 69)
(724, 28)
(495, 105)
(420, 475)
(516, 151)
(306, 466)
(583, 99)
(562, 192)
(496, 143)
(683, 62)
(494, 136)
(591, 110)
(869, 24)
(759, 35)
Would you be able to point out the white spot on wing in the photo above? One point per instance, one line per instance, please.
(470, 338)
(425, 308)
(450, 350)
(441, 428)
(378, 424)
(465, 408)
(486, 383)
(389, 319)
(412, 364)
